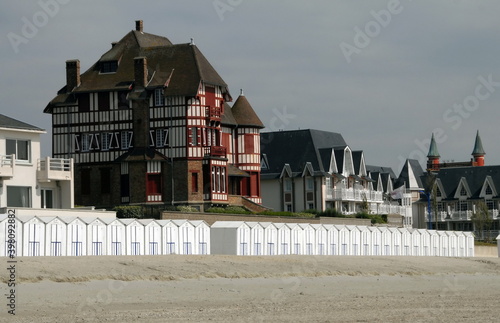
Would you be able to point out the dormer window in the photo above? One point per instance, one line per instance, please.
(463, 191)
(488, 190)
(109, 67)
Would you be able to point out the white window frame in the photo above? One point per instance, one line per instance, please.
(106, 138)
(16, 152)
(159, 98)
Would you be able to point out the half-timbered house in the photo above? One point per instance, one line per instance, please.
(149, 123)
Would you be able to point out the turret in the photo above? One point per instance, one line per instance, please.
(478, 152)
(433, 156)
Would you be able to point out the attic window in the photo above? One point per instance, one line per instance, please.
(109, 67)
(438, 192)
(488, 190)
(463, 192)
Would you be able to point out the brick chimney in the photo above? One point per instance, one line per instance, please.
(139, 25)
(140, 72)
(72, 74)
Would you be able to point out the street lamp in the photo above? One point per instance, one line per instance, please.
(428, 207)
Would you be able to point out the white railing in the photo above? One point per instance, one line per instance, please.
(7, 163)
(55, 169)
(344, 194)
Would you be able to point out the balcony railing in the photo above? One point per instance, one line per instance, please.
(7, 163)
(349, 194)
(213, 113)
(57, 169)
(458, 215)
(215, 151)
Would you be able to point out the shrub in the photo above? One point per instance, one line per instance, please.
(186, 208)
(129, 211)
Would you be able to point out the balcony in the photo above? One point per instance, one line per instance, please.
(54, 169)
(213, 113)
(215, 151)
(7, 163)
(349, 194)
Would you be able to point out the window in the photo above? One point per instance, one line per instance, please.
(85, 181)
(287, 184)
(47, 199)
(86, 140)
(463, 205)
(109, 66)
(159, 98)
(194, 136)
(126, 139)
(463, 191)
(21, 148)
(490, 204)
(289, 207)
(310, 183)
(122, 100)
(488, 190)
(103, 101)
(438, 192)
(106, 140)
(105, 180)
(83, 102)
(18, 196)
(310, 206)
(161, 137)
(194, 182)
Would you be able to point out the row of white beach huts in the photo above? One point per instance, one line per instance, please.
(73, 236)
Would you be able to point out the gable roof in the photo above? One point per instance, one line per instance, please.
(297, 147)
(475, 178)
(8, 122)
(411, 174)
(182, 67)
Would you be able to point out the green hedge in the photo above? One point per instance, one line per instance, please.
(129, 211)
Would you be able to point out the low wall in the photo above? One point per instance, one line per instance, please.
(346, 221)
(486, 251)
(76, 212)
(210, 218)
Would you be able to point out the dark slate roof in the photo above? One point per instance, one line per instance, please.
(404, 176)
(244, 114)
(182, 67)
(7, 122)
(380, 169)
(356, 160)
(474, 176)
(297, 147)
(228, 118)
(478, 146)
(433, 151)
(339, 158)
(141, 154)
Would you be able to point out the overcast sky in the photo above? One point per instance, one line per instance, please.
(384, 74)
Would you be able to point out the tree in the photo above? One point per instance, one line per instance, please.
(481, 219)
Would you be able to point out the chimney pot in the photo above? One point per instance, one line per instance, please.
(139, 25)
(72, 74)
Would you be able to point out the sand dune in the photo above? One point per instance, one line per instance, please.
(255, 289)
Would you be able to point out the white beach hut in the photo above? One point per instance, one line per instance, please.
(344, 240)
(425, 242)
(309, 234)
(396, 241)
(170, 237)
(256, 238)
(96, 236)
(11, 240)
(355, 240)
(406, 242)
(55, 236)
(33, 236)
(270, 238)
(443, 244)
(469, 244)
(230, 238)
(284, 239)
(376, 238)
(321, 243)
(152, 237)
(461, 244)
(76, 236)
(387, 241)
(332, 238)
(452, 243)
(201, 237)
(416, 242)
(116, 237)
(186, 236)
(366, 241)
(434, 246)
(296, 238)
(134, 237)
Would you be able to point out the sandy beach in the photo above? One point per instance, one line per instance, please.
(254, 289)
